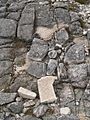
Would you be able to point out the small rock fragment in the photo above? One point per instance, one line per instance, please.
(25, 93)
(29, 103)
(52, 54)
(46, 90)
(40, 110)
(65, 111)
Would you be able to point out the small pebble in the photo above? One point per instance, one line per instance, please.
(65, 111)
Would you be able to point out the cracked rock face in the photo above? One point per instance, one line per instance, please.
(45, 49)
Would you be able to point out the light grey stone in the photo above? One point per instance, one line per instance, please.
(52, 54)
(40, 110)
(7, 28)
(28, 117)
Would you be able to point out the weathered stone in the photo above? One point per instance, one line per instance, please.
(7, 28)
(14, 15)
(49, 117)
(28, 117)
(5, 67)
(74, 16)
(61, 71)
(62, 15)
(5, 41)
(38, 51)
(4, 81)
(7, 98)
(25, 93)
(45, 85)
(44, 16)
(78, 75)
(52, 64)
(65, 111)
(22, 80)
(5, 53)
(75, 28)
(15, 107)
(10, 118)
(40, 110)
(37, 69)
(25, 32)
(62, 36)
(76, 54)
(65, 91)
(29, 103)
(52, 54)
(2, 116)
(67, 117)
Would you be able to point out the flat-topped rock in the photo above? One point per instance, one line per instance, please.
(6, 98)
(46, 90)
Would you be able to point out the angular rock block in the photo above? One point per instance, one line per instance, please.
(46, 90)
(25, 93)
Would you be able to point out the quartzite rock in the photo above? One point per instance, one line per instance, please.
(45, 85)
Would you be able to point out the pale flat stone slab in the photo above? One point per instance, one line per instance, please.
(25, 93)
(46, 90)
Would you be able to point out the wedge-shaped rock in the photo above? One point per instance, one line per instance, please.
(25, 93)
(46, 90)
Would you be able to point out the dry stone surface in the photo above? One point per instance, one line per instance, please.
(44, 60)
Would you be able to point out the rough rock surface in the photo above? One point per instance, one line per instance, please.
(45, 38)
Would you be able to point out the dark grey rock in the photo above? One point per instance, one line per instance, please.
(21, 81)
(27, 117)
(37, 69)
(51, 67)
(76, 54)
(10, 118)
(75, 28)
(49, 117)
(88, 34)
(52, 54)
(88, 69)
(78, 75)
(7, 98)
(15, 107)
(7, 28)
(26, 22)
(44, 16)
(40, 110)
(71, 117)
(4, 81)
(62, 36)
(38, 51)
(62, 15)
